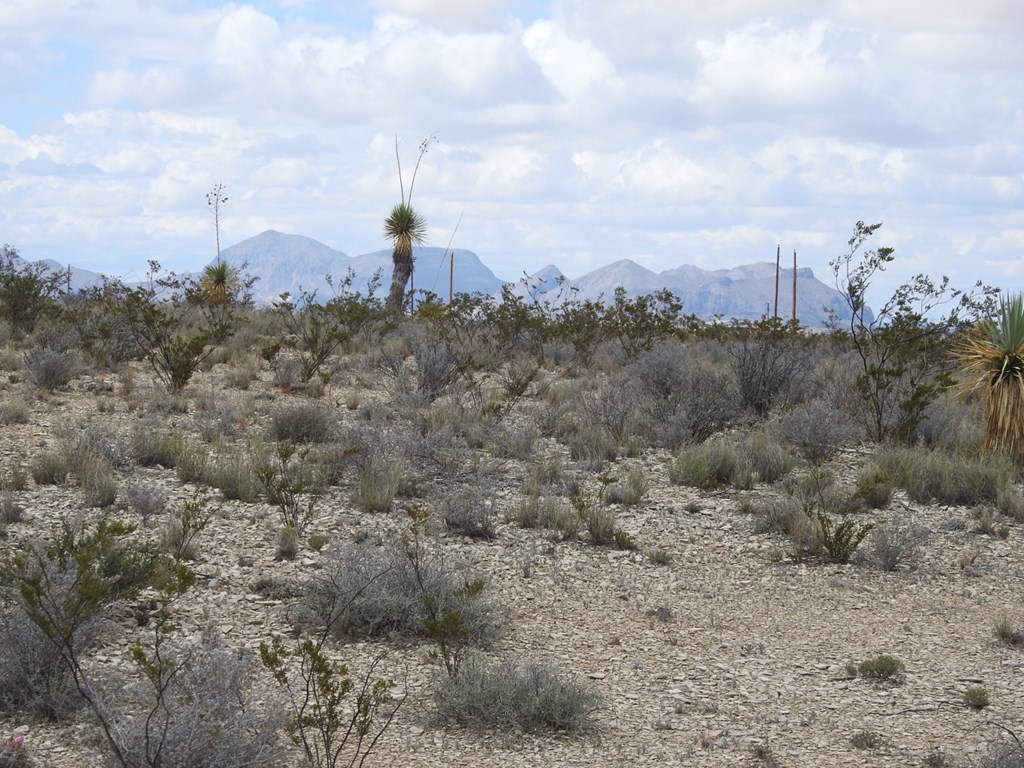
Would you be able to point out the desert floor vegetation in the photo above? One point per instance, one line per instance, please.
(504, 538)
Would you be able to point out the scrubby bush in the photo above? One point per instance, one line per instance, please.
(882, 668)
(515, 697)
(33, 676)
(208, 713)
(770, 361)
(896, 542)
(300, 424)
(470, 512)
(817, 430)
(729, 461)
(933, 476)
(151, 447)
(47, 368)
(365, 591)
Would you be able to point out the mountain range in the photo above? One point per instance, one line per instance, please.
(295, 264)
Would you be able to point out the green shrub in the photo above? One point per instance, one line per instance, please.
(882, 668)
(976, 697)
(931, 476)
(510, 696)
(300, 424)
(840, 540)
(378, 482)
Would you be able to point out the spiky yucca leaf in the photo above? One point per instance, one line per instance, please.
(992, 356)
(405, 228)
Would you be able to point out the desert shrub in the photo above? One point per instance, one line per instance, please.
(795, 519)
(874, 488)
(930, 475)
(901, 347)
(57, 599)
(50, 468)
(300, 424)
(151, 447)
(817, 430)
(896, 542)
(33, 676)
(737, 462)
(684, 393)
(547, 512)
(1008, 634)
(628, 491)
(98, 483)
(470, 512)
(192, 463)
(287, 542)
(232, 474)
(976, 697)
(599, 522)
(515, 697)
(14, 411)
(208, 714)
(951, 425)
(10, 510)
(882, 668)
(591, 446)
(366, 591)
(176, 322)
(47, 368)
(840, 539)
(515, 442)
(146, 500)
(27, 291)
(770, 360)
(378, 481)
(706, 466)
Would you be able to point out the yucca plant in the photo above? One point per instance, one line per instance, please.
(992, 356)
(218, 283)
(404, 228)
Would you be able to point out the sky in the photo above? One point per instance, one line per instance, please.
(567, 132)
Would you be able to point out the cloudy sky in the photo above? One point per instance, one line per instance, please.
(573, 132)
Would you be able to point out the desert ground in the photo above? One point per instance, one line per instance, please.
(708, 639)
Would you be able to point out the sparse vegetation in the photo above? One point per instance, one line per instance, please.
(581, 483)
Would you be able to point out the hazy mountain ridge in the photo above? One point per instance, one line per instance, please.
(294, 264)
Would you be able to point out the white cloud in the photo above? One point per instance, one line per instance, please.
(570, 131)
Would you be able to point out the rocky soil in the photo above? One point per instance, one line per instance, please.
(728, 655)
